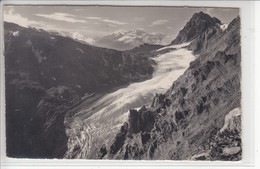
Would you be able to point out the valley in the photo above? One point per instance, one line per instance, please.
(100, 119)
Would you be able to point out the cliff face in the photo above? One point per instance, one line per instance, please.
(198, 118)
(206, 39)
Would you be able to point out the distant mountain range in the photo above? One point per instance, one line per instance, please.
(128, 39)
(120, 40)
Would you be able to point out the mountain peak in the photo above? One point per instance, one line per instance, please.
(200, 14)
(203, 16)
(198, 23)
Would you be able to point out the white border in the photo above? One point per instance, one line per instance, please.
(247, 37)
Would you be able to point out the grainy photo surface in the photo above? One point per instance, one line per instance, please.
(119, 82)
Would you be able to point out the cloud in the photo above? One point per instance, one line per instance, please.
(114, 22)
(139, 19)
(111, 25)
(159, 22)
(79, 9)
(11, 16)
(61, 17)
(93, 18)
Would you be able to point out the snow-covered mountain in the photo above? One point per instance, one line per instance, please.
(128, 39)
(223, 26)
(82, 37)
(77, 36)
(119, 40)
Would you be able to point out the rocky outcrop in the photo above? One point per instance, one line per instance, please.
(226, 144)
(194, 118)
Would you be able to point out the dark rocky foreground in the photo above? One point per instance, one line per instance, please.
(199, 117)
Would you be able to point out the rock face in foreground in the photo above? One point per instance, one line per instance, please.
(198, 118)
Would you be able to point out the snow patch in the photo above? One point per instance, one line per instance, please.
(80, 50)
(179, 46)
(15, 34)
(224, 26)
(37, 53)
(78, 86)
(82, 37)
(231, 150)
(201, 156)
(231, 123)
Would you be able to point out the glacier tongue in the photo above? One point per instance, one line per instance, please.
(88, 133)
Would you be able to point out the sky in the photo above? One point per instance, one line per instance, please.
(97, 21)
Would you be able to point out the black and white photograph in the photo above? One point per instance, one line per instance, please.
(122, 82)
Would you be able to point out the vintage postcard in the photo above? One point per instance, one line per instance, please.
(122, 82)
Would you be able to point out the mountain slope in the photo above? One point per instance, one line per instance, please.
(188, 121)
(46, 75)
(60, 60)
